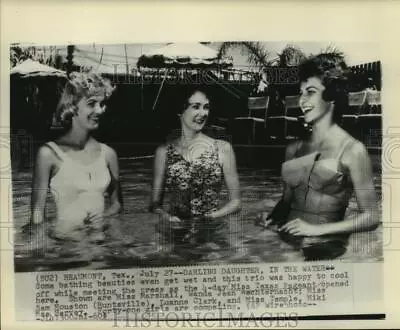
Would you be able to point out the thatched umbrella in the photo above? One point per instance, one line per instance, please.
(30, 68)
(35, 90)
(183, 55)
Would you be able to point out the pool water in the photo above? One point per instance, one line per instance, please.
(131, 239)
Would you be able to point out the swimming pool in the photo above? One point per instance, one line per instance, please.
(131, 239)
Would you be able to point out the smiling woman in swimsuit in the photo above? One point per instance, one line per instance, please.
(193, 168)
(322, 171)
(78, 169)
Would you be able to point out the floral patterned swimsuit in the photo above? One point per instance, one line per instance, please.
(195, 185)
(194, 188)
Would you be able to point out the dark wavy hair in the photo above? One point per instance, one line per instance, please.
(186, 93)
(331, 68)
(178, 102)
(78, 86)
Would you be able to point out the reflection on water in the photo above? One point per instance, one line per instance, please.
(130, 240)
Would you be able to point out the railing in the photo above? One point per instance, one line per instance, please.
(367, 75)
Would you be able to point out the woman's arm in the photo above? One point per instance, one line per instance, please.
(157, 193)
(115, 187)
(360, 169)
(227, 156)
(40, 184)
(281, 209)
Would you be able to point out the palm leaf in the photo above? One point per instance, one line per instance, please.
(257, 54)
(333, 51)
(291, 55)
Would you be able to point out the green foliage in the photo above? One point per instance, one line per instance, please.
(291, 55)
(258, 55)
(43, 55)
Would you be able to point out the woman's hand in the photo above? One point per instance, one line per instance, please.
(35, 234)
(115, 187)
(228, 161)
(114, 209)
(262, 220)
(165, 216)
(299, 227)
(281, 210)
(169, 220)
(174, 219)
(94, 219)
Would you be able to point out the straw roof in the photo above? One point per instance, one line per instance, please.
(183, 55)
(30, 68)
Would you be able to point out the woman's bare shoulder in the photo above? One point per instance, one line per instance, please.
(222, 143)
(45, 150)
(110, 152)
(356, 150)
(225, 148)
(161, 150)
(355, 153)
(346, 140)
(46, 154)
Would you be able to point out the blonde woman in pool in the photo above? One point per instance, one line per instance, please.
(77, 168)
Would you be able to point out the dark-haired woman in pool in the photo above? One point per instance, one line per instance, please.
(323, 170)
(192, 169)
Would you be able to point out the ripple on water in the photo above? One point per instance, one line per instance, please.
(131, 240)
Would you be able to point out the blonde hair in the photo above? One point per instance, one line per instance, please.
(78, 86)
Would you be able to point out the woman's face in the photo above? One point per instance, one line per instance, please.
(194, 117)
(89, 112)
(311, 101)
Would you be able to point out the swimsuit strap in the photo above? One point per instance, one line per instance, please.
(102, 151)
(216, 150)
(61, 154)
(172, 154)
(56, 149)
(344, 145)
(216, 145)
(170, 151)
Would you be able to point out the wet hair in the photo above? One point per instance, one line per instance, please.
(78, 86)
(333, 72)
